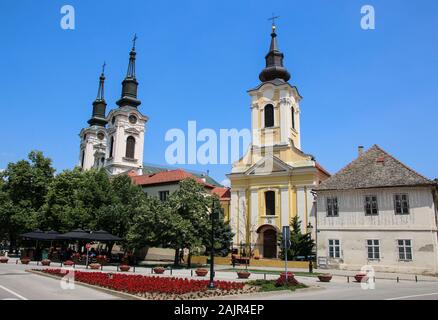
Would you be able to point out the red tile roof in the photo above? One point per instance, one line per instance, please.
(175, 176)
(223, 193)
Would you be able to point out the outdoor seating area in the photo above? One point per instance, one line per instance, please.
(79, 246)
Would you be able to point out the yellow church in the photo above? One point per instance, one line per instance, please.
(273, 181)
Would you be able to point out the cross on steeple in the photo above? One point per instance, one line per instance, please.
(133, 41)
(273, 20)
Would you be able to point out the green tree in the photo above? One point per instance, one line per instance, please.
(116, 214)
(23, 190)
(190, 218)
(74, 199)
(223, 235)
(300, 244)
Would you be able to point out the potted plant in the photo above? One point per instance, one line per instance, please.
(68, 263)
(361, 277)
(25, 260)
(159, 270)
(101, 259)
(45, 262)
(94, 266)
(4, 260)
(243, 274)
(326, 277)
(124, 267)
(201, 272)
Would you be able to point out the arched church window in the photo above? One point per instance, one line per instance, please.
(293, 117)
(83, 158)
(111, 147)
(130, 147)
(270, 203)
(269, 116)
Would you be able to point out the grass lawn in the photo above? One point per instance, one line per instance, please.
(299, 273)
(269, 285)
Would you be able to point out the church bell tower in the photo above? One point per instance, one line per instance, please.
(126, 127)
(94, 138)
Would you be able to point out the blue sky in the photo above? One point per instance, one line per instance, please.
(197, 58)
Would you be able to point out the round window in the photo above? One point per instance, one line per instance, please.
(100, 136)
(133, 119)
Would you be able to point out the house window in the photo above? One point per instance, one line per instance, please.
(270, 203)
(401, 204)
(293, 117)
(332, 207)
(404, 250)
(334, 249)
(111, 147)
(269, 116)
(130, 147)
(164, 195)
(371, 208)
(373, 249)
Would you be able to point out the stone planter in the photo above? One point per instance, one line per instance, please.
(68, 263)
(25, 260)
(325, 277)
(361, 277)
(95, 266)
(243, 274)
(45, 262)
(124, 268)
(201, 272)
(159, 270)
(4, 260)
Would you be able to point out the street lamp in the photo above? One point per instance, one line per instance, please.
(213, 216)
(309, 230)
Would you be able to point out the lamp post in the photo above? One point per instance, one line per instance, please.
(309, 230)
(213, 215)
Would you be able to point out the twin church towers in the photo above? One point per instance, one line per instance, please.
(115, 141)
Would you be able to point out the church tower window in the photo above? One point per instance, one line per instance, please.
(83, 159)
(269, 116)
(111, 153)
(270, 203)
(293, 117)
(130, 147)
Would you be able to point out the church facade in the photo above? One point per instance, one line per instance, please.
(273, 181)
(115, 141)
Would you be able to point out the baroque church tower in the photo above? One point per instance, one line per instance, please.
(273, 181)
(94, 138)
(116, 142)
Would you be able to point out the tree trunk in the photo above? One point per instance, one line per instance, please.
(189, 259)
(176, 261)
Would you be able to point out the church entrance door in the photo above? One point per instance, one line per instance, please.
(270, 244)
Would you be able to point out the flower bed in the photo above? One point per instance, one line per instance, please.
(154, 287)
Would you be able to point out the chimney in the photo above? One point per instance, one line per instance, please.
(360, 150)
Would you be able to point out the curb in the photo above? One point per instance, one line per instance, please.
(124, 295)
(260, 295)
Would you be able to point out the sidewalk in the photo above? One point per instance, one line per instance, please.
(231, 275)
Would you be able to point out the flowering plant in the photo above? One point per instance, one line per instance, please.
(138, 284)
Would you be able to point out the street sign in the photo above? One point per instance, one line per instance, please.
(286, 235)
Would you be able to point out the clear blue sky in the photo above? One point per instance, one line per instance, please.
(197, 58)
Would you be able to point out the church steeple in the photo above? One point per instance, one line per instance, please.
(99, 105)
(130, 84)
(274, 62)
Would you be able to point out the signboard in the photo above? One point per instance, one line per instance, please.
(322, 262)
(286, 235)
